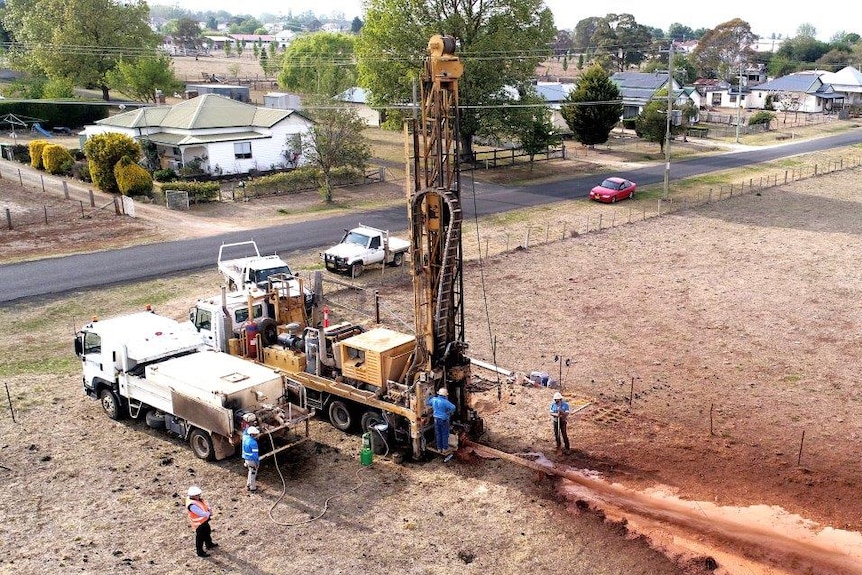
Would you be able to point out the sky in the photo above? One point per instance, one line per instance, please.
(765, 18)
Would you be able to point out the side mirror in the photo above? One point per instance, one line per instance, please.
(79, 345)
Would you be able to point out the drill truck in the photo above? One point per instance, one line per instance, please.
(154, 368)
(379, 378)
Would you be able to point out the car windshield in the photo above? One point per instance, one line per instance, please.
(356, 238)
(610, 184)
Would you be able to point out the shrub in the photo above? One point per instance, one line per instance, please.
(288, 182)
(57, 159)
(20, 153)
(198, 191)
(36, 147)
(132, 179)
(629, 123)
(103, 151)
(167, 175)
(761, 117)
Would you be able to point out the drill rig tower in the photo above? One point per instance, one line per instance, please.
(435, 222)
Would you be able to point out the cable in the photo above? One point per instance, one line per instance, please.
(325, 501)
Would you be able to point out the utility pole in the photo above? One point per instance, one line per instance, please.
(667, 127)
(739, 103)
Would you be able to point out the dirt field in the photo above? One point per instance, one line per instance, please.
(703, 344)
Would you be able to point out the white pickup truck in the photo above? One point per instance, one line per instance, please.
(243, 269)
(362, 246)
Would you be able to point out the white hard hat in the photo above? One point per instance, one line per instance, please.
(442, 391)
(194, 491)
(253, 430)
(558, 395)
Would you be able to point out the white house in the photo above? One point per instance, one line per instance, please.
(223, 136)
(555, 93)
(638, 88)
(798, 92)
(846, 81)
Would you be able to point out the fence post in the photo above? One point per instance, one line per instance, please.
(20, 179)
(785, 176)
(527, 239)
(659, 207)
(513, 156)
(644, 213)
(8, 219)
(815, 169)
(487, 249)
(709, 197)
(547, 230)
(82, 208)
(507, 242)
(65, 190)
(92, 199)
(42, 179)
(45, 209)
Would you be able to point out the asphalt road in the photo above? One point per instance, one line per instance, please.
(54, 276)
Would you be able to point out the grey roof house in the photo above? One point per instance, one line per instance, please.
(220, 135)
(638, 88)
(798, 92)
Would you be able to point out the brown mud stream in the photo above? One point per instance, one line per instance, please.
(755, 540)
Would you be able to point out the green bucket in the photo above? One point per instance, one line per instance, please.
(365, 457)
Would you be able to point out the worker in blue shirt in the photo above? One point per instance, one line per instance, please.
(559, 416)
(443, 410)
(251, 456)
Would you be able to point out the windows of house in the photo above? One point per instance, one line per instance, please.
(242, 150)
(716, 99)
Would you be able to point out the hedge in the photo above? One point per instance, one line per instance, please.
(132, 179)
(51, 114)
(198, 191)
(35, 148)
(57, 159)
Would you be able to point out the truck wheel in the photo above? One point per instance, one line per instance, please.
(110, 404)
(397, 260)
(269, 331)
(371, 418)
(356, 270)
(340, 416)
(202, 444)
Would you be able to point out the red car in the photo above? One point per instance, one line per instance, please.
(613, 189)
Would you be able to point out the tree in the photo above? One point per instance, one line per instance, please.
(583, 35)
(677, 31)
(320, 63)
(721, 50)
(593, 108)
(806, 30)
(500, 44)
(622, 40)
(189, 33)
(562, 43)
(228, 47)
(335, 140)
(79, 39)
(139, 79)
(803, 50)
(538, 134)
(103, 151)
(356, 25)
(651, 124)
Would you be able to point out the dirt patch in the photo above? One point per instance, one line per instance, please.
(705, 343)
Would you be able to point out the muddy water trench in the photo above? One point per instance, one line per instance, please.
(755, 540)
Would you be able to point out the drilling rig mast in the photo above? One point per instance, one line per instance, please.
(436, 219)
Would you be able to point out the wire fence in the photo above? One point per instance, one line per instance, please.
(53, 201)
(520, 236)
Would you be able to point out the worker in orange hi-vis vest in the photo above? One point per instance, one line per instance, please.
(199, 516)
